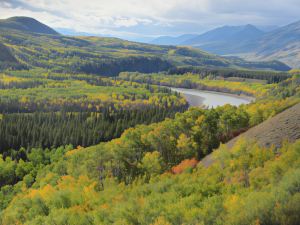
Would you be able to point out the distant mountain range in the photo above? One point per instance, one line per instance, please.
(216, 40)
(169, 40)
(248, 42)
(281, 44)
(26, 24)
(225, 40)
(27, 43)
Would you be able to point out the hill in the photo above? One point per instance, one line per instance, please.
(26, 24)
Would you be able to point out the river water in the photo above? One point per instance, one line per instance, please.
(212, 99)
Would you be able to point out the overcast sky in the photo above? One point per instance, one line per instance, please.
(149, 18)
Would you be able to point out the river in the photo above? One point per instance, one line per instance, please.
(212, 99)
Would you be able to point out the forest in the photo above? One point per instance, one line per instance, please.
(269, 76)
(142, 175)
(41, 109)
(252, 87)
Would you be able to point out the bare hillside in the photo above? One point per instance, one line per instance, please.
(284, 126)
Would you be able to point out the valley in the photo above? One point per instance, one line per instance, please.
(100, 130)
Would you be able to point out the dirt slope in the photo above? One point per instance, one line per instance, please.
(284, 126)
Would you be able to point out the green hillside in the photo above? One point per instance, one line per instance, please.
(110, 56)
(7, 60)
(5, 55)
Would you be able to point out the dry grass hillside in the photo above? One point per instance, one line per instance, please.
(283, 127)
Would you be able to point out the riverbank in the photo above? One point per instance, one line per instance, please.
(212, 98)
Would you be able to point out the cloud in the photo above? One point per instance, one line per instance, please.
(152, 17)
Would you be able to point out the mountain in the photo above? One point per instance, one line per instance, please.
(26, 24)
(169, 40)
(226, 39)
(268, 28)
(110, 56)
(281, 44)
(250, 43)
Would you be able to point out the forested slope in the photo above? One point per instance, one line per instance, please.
(42, 109)
(107, 56)
(7, 60)
(151, 175)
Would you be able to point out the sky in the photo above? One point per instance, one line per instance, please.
(147, 19)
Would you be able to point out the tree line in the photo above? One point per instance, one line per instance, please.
(270, 76)
(54, 129)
